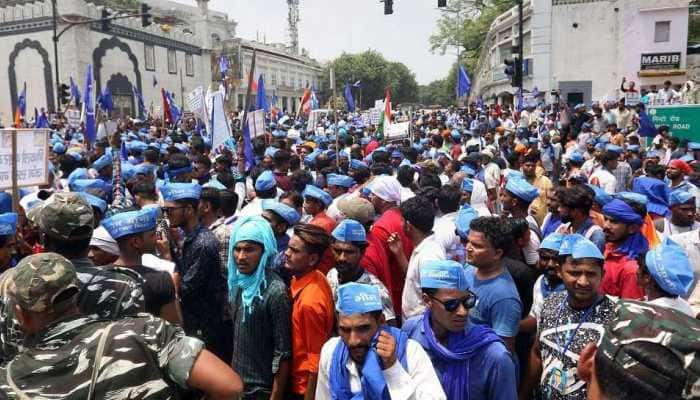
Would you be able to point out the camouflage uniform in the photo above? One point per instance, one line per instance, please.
(643, 322)
(142, 357)
(107, 293)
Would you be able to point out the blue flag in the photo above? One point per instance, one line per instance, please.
(274, 99)
(74, 91)
(349, 101)
(41, 121)
(90, 132)
(139, 102)
(314, 100)
(463, 82)
(261, 103)
(22, 101)
(247, 146)
(174, 109)
(646, 125)
(223, 66)
(105, 100)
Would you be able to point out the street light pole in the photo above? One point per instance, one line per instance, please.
(55, 55)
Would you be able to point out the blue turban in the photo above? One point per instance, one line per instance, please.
(522, 189)
(8, 223)
(254, 229)
(623, 212)
(552, 241)
(131, 222)
(180, 191)
(137, 146)
(318, 194)
(358, 298)
(601, 196)
(349, 230)
(657, 193)
(443, 274)
(289, 214)
(668, 264)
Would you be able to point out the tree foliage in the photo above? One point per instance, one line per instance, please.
(694, 23)
(376, 74)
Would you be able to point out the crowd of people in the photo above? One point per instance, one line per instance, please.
(491, 254)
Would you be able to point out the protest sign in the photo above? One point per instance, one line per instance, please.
(31, 157)
(256, 123)
(632, 99)
(397, 130)
(73, 117)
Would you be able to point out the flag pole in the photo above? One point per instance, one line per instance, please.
(244, 119)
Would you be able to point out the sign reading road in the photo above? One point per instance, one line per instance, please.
(682, 120)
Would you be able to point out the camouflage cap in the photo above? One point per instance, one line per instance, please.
(39, 280)
(643, 322)
(62, 214)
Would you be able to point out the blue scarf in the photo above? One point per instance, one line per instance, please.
(635, 245)
(373, 383)
(547, 288)
(551, 226)
(255, 229)
(461, 347)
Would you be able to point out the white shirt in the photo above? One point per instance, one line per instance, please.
(604, 179)
(690, 242)
(445, 235)
(428, 250)
(531, 250)
(671, 229)
(479, 199)
(674, 303)
(406, 193)
(253, 208)
(420, 382)
(537, 299)
(159, 264)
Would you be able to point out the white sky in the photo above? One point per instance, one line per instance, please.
(329, 27)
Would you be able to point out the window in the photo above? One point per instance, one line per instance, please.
(300, 85)
(172, 62)
(662, 31)
(189, 65)
(150, 57)
(273, 77)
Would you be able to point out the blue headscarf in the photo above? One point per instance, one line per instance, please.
(373, 383)
(255, 229)
(636, 243)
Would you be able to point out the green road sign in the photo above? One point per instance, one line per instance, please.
(682, 120)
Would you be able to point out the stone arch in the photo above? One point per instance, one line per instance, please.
(48, 78)
(101, 50)
(122, 94)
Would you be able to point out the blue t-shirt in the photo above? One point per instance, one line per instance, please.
(498, 305)
(492, 374)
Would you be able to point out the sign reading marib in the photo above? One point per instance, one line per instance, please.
(32, 157)
(661, 61)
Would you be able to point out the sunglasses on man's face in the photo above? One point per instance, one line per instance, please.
(469, 301)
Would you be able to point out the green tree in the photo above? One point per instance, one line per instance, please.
(694, 23)
(434, 93)
(376, 74)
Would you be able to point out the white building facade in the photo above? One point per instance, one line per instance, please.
(583, 48)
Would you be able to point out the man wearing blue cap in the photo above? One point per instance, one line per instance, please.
(349, 244)
(568, 322)
(198, 274)
(666, 276)
(471, 360)
(338, 187)
(369, 359)
(135, 233)
(265, 188)
(281, 218)
(516, 199)
(178, 169)
(8, 228)
(683, 213)
(575, 204)
(538, 205)
(316, 201)
(603, 176)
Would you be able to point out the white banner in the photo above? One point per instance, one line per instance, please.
(397, 130)
(195, 102)
(72, 117)
(256, 123)
(32, 157)
(219, 124)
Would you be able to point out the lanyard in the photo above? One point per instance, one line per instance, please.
(585, 316)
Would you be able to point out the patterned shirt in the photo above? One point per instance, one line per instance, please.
(562, 327)
(222, 232)
(143, 357)
(107, 293)
(262, 338)
(368, 279)
(202, 286)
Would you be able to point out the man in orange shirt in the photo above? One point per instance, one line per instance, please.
(312, 306)
(316, 201)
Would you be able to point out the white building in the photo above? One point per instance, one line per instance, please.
(584, 48)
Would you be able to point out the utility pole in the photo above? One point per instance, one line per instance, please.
(55, 55)
(519, 65)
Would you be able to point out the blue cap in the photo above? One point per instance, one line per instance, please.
(289, 214)
(128, 171)
(358, 298)
(687, 158)
(104, 161)
(270, 151)
(214, 183)
(310, 159)
(694, 146)
(653, 154)
(365, 141)
(522, 189)
(396, 154)
(349, 230)
(668, 264)
(78, 173)
(94, 201)
(552, 241)
(318, 194)
(278, 133)
(656, 191)
(601, 196)
(340, 180)
(265, 181)
(443, 274)
(465, 215)
(145, 169)
(591, 141)
(180, 191)
(137, 146)
(131, 222)
(467, 185)
(604, 140)
(567, 244)
(5, 202)
(584, 248)
(631, 196)
(633, 148)
(514, 174)
(600, 146)
(81, 185)
(8, 223)
(614, 148)
(468, 170)
(59, 148)
(576, 156)
(680, 196)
